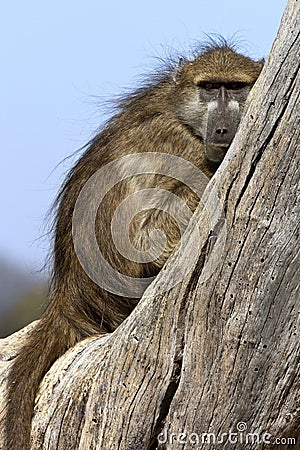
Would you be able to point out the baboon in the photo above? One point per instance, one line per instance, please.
(191, 110)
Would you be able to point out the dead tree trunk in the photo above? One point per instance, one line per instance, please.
(216, 358)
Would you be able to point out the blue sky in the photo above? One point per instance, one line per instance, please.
(59, 59)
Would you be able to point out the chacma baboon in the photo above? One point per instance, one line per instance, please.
(191, 110)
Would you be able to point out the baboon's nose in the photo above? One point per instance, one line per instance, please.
(222, 131)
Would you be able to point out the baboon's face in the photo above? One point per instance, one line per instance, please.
(212, 110)
(211, 93)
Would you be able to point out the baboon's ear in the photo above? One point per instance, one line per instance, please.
(177, 70)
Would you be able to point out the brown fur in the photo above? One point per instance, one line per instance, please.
(151, 119)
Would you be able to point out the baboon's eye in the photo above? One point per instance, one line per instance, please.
(234, 85)
(209, 85)
(214, 85)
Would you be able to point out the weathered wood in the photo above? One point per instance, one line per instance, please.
(209, 356)
(240, 367)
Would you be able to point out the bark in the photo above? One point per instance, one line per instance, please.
(219, 352)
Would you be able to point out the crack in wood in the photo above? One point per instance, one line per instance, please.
(178, 361)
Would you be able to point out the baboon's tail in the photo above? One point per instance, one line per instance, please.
(50, 339)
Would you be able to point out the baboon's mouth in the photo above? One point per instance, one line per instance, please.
(220, 149)
(216, 152)
(223, 147)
